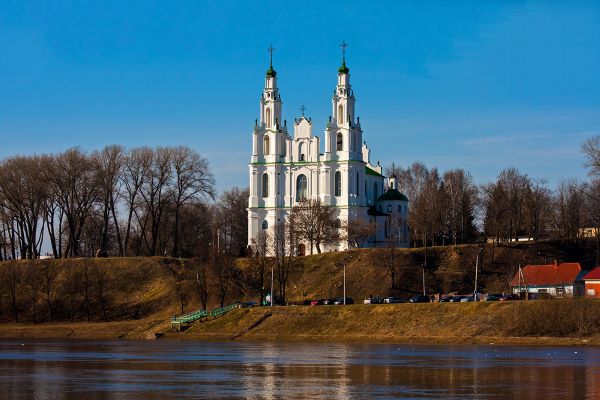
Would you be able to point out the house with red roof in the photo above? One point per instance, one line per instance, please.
(592, 283)
(556, 280)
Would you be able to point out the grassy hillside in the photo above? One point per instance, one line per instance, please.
(130, 289)
(448, 269)
(575, 320)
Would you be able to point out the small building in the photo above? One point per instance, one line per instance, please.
(592, 283)
(556, 280)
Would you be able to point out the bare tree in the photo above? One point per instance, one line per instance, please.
(193, 182)
(23, 193)
(108, 164)
(537, 202)
(72, 179)
(357, 233)
(234, 205)
(591, 150)
(135, 168)
(315, 223)
(202, 283)
(32, 286)
(260, 249)
(284, 244)
(157, 194)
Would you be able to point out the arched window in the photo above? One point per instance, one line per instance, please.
(301, 152)
(301, 187)
(265, 225)
(268, 117)
(267, 147)
(340, 142)
(399, 208)
(338, 184)
(265, 185)
(389, 208)
(340, 114)
(357, 184)
(375, 191)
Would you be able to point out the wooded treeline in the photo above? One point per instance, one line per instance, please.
(117, 202)
(450, 208)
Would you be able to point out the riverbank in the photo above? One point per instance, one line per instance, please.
(566, 322)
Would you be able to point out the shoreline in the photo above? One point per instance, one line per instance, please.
(130, 330)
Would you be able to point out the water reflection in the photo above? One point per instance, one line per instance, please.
(142, 370)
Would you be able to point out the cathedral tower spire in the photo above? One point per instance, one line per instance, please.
(343, 135)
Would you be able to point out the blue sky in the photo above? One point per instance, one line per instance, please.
(471, 84)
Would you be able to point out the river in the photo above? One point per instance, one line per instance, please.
(78, 369)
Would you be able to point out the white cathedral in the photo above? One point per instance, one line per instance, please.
(284, 169)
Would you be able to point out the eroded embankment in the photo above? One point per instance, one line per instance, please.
(547, 322)
(537, 322)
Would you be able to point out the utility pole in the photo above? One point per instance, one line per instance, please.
(476, 268)
(423, 279)
(272, 274)
(344, 283)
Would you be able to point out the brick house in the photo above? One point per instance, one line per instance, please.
(592, 283)
(557, 280)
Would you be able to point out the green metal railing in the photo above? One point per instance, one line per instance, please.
(199, 314)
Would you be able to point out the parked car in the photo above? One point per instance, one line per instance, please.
(420, 299)
(492, 297)
(372, 300)
(329, 302)
(393, 300)
(318, 302)
(510, 297)
(340, 301)
(456, 299)
(467, 299)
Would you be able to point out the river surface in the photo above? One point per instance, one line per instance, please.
(43, 369)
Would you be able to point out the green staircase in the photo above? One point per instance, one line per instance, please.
(183, 320)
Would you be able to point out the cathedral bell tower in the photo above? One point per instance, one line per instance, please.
(343, 136)
(268, 141)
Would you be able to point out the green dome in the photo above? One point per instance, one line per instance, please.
(343, 69)
(271, 72)
(392, 194)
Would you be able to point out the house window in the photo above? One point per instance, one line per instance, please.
(301, 187)
(301, 151)
(265, 185)
(389, 208)
(338, 184)
(267, 148)
(340, 142)
(265, 225)
(399, 208)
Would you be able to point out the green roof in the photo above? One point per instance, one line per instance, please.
(392, 194)
(369, 171)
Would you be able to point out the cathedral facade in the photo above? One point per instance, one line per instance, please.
(288, 167)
